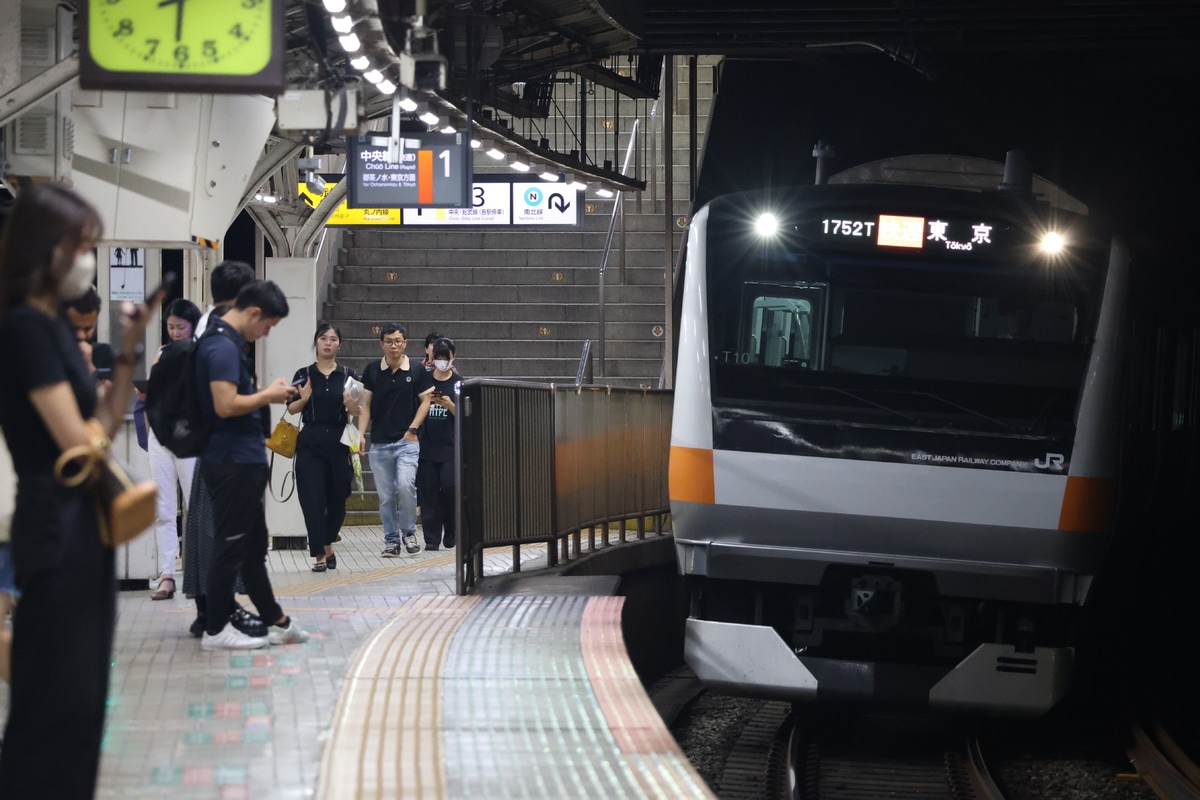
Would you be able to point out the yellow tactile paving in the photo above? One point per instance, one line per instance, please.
(350, 578)
(386, 740)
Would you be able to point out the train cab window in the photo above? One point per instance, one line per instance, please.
(782, 325)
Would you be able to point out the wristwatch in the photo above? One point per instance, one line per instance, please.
(414, 431)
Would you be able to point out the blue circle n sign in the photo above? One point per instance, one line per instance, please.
(533, 196)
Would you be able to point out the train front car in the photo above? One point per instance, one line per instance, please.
(894, 440)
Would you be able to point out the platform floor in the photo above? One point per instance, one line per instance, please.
(419, 693)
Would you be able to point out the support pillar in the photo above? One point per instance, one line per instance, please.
(280, 354)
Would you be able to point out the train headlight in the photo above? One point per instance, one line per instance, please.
(1053, 243)
(766, 225)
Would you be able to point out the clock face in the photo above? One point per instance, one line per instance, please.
(181, 37)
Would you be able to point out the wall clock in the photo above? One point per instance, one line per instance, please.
(220, 46)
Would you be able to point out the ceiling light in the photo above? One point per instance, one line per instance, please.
(547, 173)
(518, 163)
(360, 63)
(386, 87)
(574, 183)
(335, 6)
(429, 118)
(373, 75)
(603, 192)
(448, 128)
(408, 104)
(475, 144)
(491, 151)
(350, 43)
(342, 24)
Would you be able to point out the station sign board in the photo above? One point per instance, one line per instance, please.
(431, 173)
(493, 203)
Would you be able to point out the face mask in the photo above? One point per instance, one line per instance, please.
(441, 364)
(79, 277)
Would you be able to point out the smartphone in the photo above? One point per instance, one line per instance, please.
(103, 373)
(296, 384)
(437, 393)
(141, 386)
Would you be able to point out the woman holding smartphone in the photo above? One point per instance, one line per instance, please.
(435, 469)
(323, 469)
(63, 633)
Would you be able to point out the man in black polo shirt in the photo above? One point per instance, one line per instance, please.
(394, 411)
(234, 466)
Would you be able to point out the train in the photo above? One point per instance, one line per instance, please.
(895, 439)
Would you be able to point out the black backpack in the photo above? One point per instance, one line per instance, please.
(173, 408)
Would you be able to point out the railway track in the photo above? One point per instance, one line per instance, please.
(781, 754)
(883, 755)
(1165, 765)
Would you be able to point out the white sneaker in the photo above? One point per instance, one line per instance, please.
(410, 542)
(230, 638)
(288, 635)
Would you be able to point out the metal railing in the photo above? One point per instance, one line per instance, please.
(541, 463)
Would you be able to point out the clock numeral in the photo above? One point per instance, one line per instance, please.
(153, 47)
(236, 32)
(181, 54)
(210, 49)
(124, 28)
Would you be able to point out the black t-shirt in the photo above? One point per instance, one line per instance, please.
(437, 434)
(393, 399)
(325, 405)
(45, 353)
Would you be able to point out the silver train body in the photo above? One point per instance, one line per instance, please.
(894, 443)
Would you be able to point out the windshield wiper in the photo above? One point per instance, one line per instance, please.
(971, 411)
(865, 401)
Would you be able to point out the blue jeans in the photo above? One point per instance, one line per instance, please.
(395, 467)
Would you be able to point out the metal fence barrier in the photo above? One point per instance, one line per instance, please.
(543, 463)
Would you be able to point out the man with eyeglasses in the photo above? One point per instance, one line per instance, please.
(393, 411)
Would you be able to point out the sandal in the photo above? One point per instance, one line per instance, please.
(331, 561)
(320, 566)
(163, 593)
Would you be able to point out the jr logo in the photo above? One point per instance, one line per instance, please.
(1052, 461)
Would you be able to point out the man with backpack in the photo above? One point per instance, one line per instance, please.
(234, 465)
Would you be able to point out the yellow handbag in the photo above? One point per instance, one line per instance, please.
(283, 438)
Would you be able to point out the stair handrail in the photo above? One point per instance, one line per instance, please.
(612, 225)
(583, 374)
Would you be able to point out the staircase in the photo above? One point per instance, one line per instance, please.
(519, 303)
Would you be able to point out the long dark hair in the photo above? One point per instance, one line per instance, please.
(48, 224)
(326, 326)
(185, 310)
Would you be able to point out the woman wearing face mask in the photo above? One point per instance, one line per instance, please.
(323, 469)
(168, 469)
(62, 635)
(435, 469)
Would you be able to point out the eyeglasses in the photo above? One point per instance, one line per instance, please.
(393, 342)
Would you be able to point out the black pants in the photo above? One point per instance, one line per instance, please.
(323, 474)
(62, 650)
(435, 493)
(239, 540)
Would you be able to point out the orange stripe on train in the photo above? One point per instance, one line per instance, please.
(1087, 505)
(691, 475)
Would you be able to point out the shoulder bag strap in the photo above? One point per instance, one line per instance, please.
(285, 489)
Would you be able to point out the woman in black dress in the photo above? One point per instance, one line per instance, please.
(323, 470)
(62, 637)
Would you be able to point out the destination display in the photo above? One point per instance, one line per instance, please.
(431, 173)
(904, 231)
